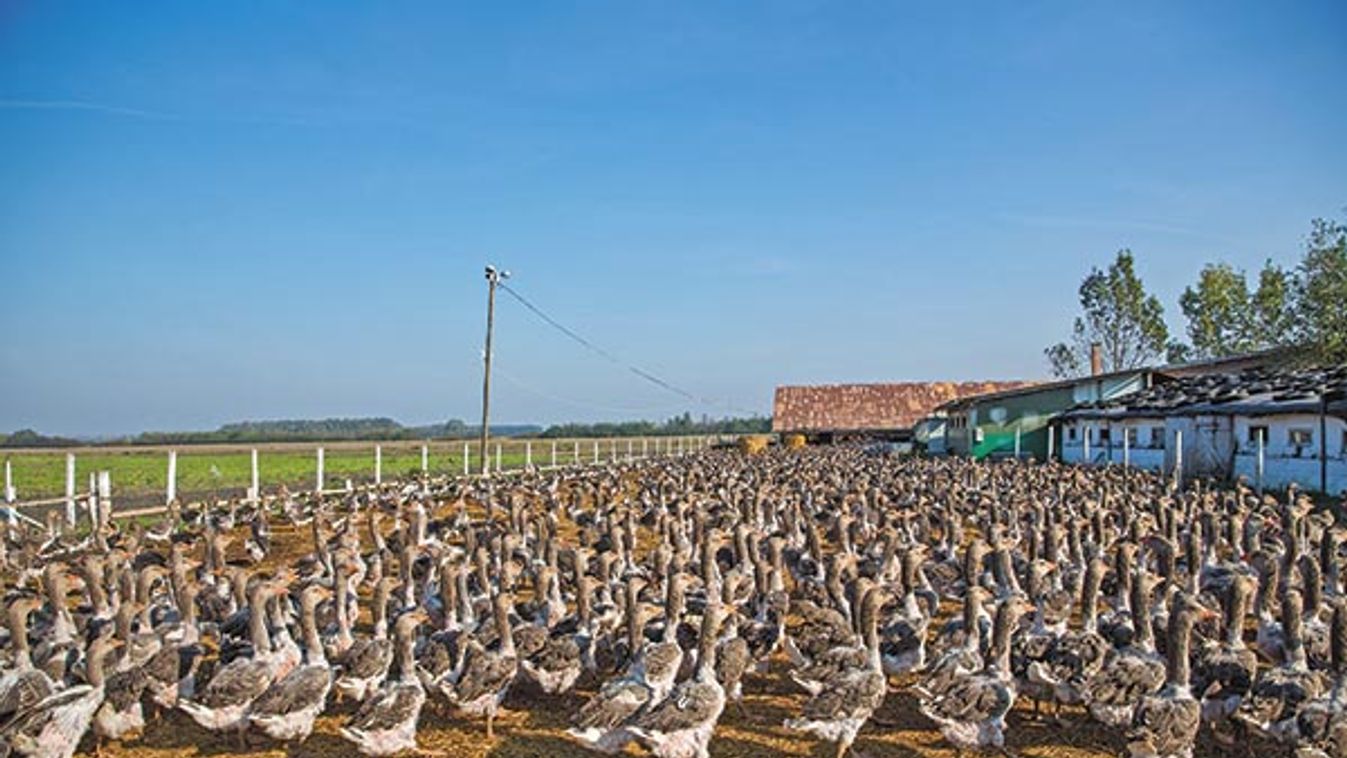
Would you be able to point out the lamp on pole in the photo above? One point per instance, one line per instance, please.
(493, 277)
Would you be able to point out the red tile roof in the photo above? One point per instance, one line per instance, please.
(858, 407)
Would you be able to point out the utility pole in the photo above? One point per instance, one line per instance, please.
(493, 277)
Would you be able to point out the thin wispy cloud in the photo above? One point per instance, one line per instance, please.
(1105, 224)
(82, 105)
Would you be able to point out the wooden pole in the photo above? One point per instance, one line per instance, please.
(172, 492)
(320, 470)
(493, 278)
(70, 489)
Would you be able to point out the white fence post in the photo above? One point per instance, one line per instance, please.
(612, 450)
(596, 451)
(645, 447)
(9, 482)
(93, 498)
(171, 492)
(554, 453)
(1050, 441)
(256, 492)
(1127, 449)
(1017, 443)
(498, 466)
(1178, 456)
(320, 470)
(425, 458)
(70, 489)
(1262, 460)
(528, 454)
(378, 465)
(576, 459)
(466, 452)
(1086, 443)
(104, 497)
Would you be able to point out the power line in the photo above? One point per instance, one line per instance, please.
(589, 345)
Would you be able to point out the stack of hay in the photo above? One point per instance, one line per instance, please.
(794, 441)
(754, 443)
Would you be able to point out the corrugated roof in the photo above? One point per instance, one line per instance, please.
(1258, 391)
(866, 407)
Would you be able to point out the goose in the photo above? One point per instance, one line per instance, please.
(53, 727)
(21, 685)
(484, 679)
(1130, 673)
(970, 713)
(850, 697)
(680, 726)
(1165, 724)
(386, 722)
(287, 710)
(1272, 702)
(222, 705)
(1321, 723)
(1226, 669)
(1076, 657)
(365, 664)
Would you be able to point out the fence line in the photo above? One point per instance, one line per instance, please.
(97, 499)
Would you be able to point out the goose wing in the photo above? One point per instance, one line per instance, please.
(852, 694)
(485, 673)
(239, 682)
(389, 708)
(690, 705)
(616, 702)
(305, 687)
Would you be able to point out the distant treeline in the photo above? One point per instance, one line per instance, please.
(289, 430)
(322, 430)
(678, 425)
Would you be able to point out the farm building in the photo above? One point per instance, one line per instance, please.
(988, 424)
(885, 411)
(1211, 426)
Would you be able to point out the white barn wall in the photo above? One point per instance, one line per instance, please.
(1281, 464)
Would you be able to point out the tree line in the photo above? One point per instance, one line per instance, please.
(1303, 308)
(677, 425)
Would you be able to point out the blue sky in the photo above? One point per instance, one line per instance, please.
(219, 211)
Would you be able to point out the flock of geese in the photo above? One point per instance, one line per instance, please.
(659, 592)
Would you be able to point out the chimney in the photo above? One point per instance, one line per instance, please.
(1096, 359)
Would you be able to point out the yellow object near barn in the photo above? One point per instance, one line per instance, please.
(795, 441)
(753, 444)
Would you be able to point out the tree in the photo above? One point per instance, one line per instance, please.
(1321, 293)
(1126, 322)
(1219, 311)
(1273, 307)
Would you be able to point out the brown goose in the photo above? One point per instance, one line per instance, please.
(54, 726)
(1226, 669)
(21, 685)
(1166, 723)
(971, 711)
(1133, 672)
(386, 723)
(365, 664)
(1272, 702)
(483, 680)
(680, 726)
(287, 710)
(847, 700)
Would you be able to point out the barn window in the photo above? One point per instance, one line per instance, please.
(1105, 434)
(1132, 436)
(1300, 439)
(1157, 436)
(1071, 433)
(1257, 432)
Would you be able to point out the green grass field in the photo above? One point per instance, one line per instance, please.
(210, 469)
